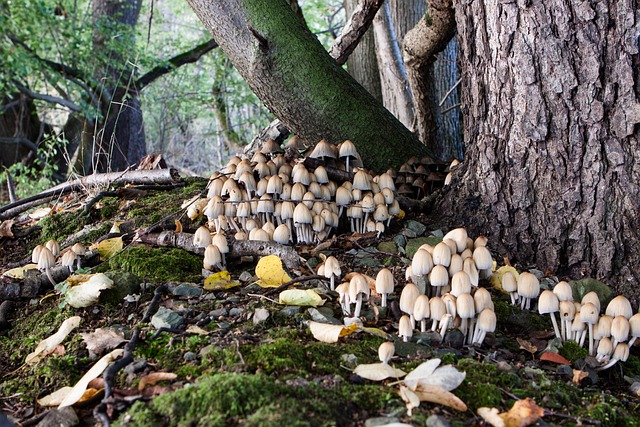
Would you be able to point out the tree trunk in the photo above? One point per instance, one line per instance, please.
(362, 63)
(550, 100)
(119, 142)
(289, 70)
(396, 93)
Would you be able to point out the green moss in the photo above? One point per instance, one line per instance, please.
(157, 264)
(61, 225)
(572, 351)
(227, 399)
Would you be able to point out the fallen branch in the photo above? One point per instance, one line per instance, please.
(237, 249)
(33, 284)
(292, 282)
(136, 177)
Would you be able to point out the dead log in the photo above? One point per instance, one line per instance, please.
(237, 249)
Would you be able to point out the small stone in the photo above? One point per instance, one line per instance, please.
(206, 350)
(414, 244)
(323, 315)
(417, 227)
(437, 233)
(260, 315)
(251, 288)
(380, 421)
(565, 370)
(635, 388)
(236, 311)
(504, 366)
(454, 338)
(290, 311)
(428, 338)
(218, 312)
(65, 417)
(189, 356)
(245, 276)
(185, 290)
(349, 360)
(136, 366)
(233, 299)
(368, 262)
(387, 247)
(437, 421)
(409, 234)
(165, 318)
(400, 240)
(538, 273)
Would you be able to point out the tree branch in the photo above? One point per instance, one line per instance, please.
(48, 98)
(187, 57)
(19, 140)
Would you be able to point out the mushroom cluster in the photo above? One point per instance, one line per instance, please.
(269, 197)
(47, 255)
(418, 178)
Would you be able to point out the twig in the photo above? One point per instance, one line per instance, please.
(446, 95)
(291, 282)
(453, 107)
(238, 352)
(263, 297)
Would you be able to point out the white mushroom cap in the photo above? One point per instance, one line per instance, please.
(591, 297)
(482, 299)
(421, 309)
(620, 329)
(619, 306)
(54, 247)
(405, 329)
(384, 281)
(441, 254)
(79, 249)
(469, 267)
(460, 284)
(458, 235)
(548, 303)
(563, 291)
(422, 263)
(465, 306)
(212, 257)
(603, 327)
(35, 254)
(437, 308)
(202, 237)
(408, 297)
(509, 283)
(589, 313)
(386, 351)
(567, 310)
(439, 276)
(528, 285)
(455, 265)
(46, 259)
(482, 258)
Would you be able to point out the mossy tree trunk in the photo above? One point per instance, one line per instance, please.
(289, 70)
(550, 100)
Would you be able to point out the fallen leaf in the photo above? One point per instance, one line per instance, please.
(48, 345)
(195, 329)
(56, 398)
(102, 339)
(492, 416)
(219, 281)
(423, 370)
(108, 247)
(96, 370)
(496, 277)
(328, 333)
(435, 394)
(40, 213)
(549, 356)
(410, 399)
(155, 377)
(270, 272)
(377, 332)
(526, 345)
(378, 371)
(18, 272)
(115, 228)
(578, 376)
(178, 225)
(302, 297)
(88, 292)
(5, 228)
(523, 413)
(446, 377)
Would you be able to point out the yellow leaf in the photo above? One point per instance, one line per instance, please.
(399, 215)
(108, 247)
(378, 371)
(270, 272)
(178, 225)
(56, 398)
(18, 272)
(328, 333)
(496, 277)
(154, 377)
(219, 281)
(303, 297)
(115, 228)
(523, 413)
(377, 332)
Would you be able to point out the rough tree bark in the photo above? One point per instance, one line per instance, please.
(550, 100)
(288, 69)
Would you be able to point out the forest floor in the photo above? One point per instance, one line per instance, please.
(242, 367)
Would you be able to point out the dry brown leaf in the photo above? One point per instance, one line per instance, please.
(526, 345)
(435, 394)
(56, 398)
(48, 345)
(491, 416)
(178, 225)
(102, 339)
(5, 228)
(195, 329)
(96, 370)
(550, 356)
(40, 213)
(523, 413)
(579, 375)
(155, 377)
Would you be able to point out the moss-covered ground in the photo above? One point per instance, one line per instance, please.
(274, 373)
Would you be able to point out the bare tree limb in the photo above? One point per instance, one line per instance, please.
(48, 98)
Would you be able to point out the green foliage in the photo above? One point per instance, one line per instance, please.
(159, 265)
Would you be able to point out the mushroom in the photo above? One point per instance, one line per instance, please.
(458, 235)
(68, 259)
(220, 240)
(46, 261)
(281, 234)
(619, 330)
(528, 288)
(589, 314)
(469, 267)
(438, 278)
(619, 306)
(602, 329)
(460, 284)
(509, 284)
(384, 284)
(332, 270)
(634, 328)
(358, 290)
(405, 330)
(578, 329)
(455, 265)
(465, 307)
(620, 353)
(212, 257)
(591, 297)
(422, 263)
(408, 298)
(441, 254)
(567, 313)
(386, 351)
(438, 310)
(347, 152)
(421, 311)
(486, 323)
(35, 254)
(202, 237)
(563, 291)
(343, 292)
(54, 247)
(548, 304)
(80, 251)
(482, 258)
(605, 348)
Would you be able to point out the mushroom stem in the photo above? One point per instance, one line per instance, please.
(423, 325)
(444, 324)
(356, 312)
(631, 341)
(555, 326)
(591, 339)
(471, 331)
(608, 365)
(48, 271)
(384, 300)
